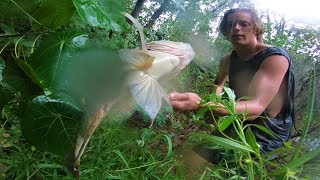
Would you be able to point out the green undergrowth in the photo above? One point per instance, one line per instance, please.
(115, 151)
(120, 149)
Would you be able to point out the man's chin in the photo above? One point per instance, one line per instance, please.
(237, 42)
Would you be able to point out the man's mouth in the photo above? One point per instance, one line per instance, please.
(237, 35)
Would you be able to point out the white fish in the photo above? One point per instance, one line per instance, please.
(154, 61)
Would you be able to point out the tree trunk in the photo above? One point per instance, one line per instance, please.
(137, 9)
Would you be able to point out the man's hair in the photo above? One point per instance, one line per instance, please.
(258, 25)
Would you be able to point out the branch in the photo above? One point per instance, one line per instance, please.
(158, 12)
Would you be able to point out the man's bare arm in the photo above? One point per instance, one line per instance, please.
(222, 74)
(263, 88)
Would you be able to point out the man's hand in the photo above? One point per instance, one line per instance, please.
(184, 101)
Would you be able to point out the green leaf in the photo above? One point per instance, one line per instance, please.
(262, 128)
(52, 55)
(14, 11)
(27, 70)
(251, 139)
(225, 121)
(101, 13)
(147, 134)
(2, 66)
(51, 125)
(167, 138)
(230, 93)
(201, 112)
(224, 142)
(17, 77)
(5, 96)
(230, 105)
(54, 13)
(121, 157)
(298, 162)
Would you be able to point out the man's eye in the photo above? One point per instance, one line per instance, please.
(244, 24)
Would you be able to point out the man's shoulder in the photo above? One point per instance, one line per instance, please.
(272, 50)
(227, 56)
(267, 47)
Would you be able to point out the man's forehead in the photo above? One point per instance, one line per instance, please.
(240, 16)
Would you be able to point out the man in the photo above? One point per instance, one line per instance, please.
(256, 70)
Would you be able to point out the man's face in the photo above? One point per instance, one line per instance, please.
(240, 28)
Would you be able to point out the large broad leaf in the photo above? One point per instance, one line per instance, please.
(51, 57)
(54, 13)
(101, 13)
(51, 125)
(18, 76)
(12, 8)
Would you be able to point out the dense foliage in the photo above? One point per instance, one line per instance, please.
(52, 51)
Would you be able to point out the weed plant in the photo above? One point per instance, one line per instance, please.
(246, 158)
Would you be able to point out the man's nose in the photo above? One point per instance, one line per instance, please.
(236, 26)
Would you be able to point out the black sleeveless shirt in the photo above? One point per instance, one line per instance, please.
(240, 76)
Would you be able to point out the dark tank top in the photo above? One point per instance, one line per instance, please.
(240, 76)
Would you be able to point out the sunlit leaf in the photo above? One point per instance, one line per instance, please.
(54, 13)
(224, 142)
(51, 125)
(52, 55)
(101, 13)
(230, 93)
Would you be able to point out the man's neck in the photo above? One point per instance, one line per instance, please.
(245, 52)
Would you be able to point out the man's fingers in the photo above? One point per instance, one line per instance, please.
(184, 101)
(176, 96)
(179, 96)
(180, 105)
